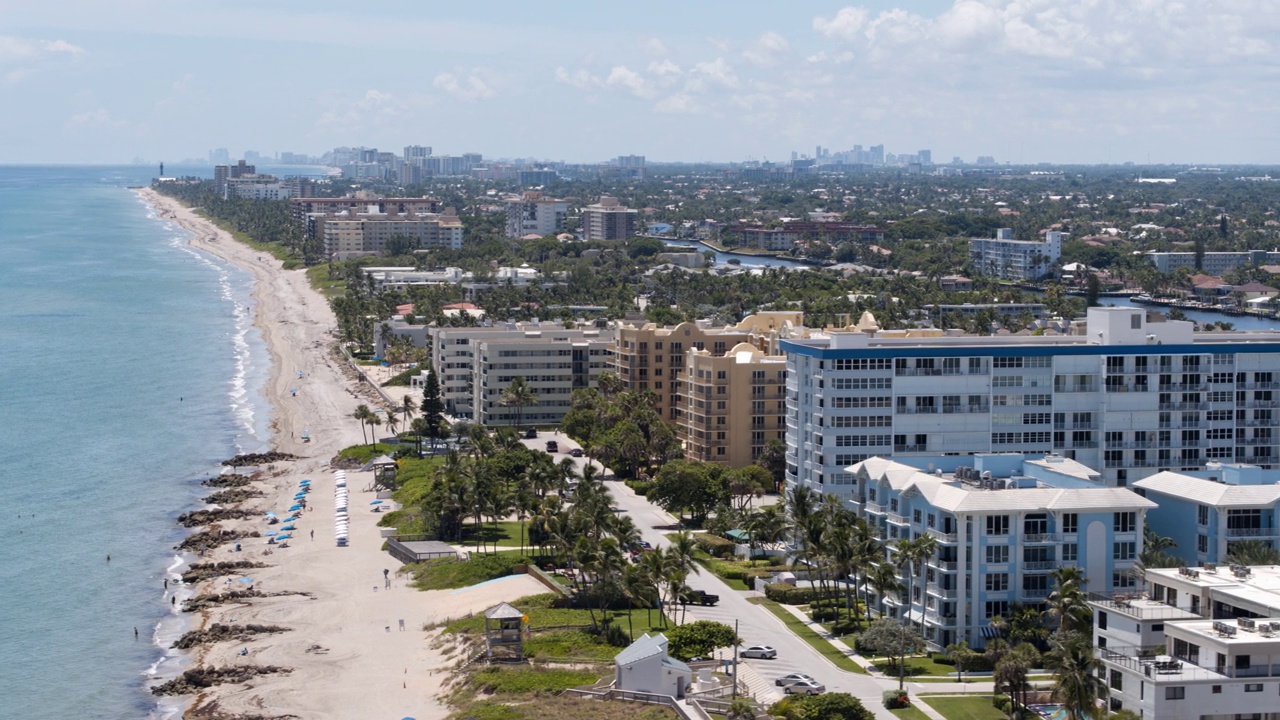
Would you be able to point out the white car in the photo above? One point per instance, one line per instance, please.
(792, 678)
(759, 651)
(805, 687)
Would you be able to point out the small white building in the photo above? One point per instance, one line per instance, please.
(645, 666)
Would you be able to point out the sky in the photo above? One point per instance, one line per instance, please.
(1061, 81)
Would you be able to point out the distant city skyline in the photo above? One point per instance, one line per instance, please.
(1024, 81)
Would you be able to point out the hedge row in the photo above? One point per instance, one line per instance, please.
(788, 594)
(641, 487)
(714, 545)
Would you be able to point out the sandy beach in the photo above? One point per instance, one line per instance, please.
(348, 654)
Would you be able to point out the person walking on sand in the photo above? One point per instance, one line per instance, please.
(386, 577)
(313, 535)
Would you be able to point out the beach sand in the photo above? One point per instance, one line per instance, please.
(348, 653)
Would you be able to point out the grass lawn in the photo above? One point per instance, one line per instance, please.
(542, 616)
(973, 707)
(446, 573)
(915, 666)
(815, 640)
(537, 707)
(910, 713)
(318, 276)
(506, 533)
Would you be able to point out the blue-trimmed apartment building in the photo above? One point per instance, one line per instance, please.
(1126, 396)
(1206, 511)
(1001, 524)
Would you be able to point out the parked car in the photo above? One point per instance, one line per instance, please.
(763, 652)
(792, 678)
(576, 452)
(553, 446)
(531, 433)
(805, 687)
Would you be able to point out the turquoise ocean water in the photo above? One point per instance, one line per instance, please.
(129, 368)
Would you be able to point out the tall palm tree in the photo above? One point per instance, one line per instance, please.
(639, 590)
(362, 413)
(407, 408)
(519, 396)
(653, 565)
(1076, 683)
(374, 421)
(1067, 601)
(883, 580)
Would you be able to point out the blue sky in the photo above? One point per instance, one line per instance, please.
(1194, 81)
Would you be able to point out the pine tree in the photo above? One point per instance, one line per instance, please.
(433, 408)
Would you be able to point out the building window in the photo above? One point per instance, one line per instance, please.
(1070, 522)
(997, 582)
(1202, 514)
(997, 554)
(1217, 690)
(1253, 687)
(1102, 620)
(1070, 552)
(1117, 680)
(1121, 580)
(1126, 521)
(1202, 543)
(997, 524)
(1123, 551)
(1178, 692)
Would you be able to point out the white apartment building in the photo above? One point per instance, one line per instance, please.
(1001, 523)
(531, 213)
(609, 220)
(1009, 259)
(1200, 644)
(1129, 397)
(1213, 263)
(475, 364)
(355, 235)
(258, 187)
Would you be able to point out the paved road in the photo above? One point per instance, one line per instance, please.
(756, 625)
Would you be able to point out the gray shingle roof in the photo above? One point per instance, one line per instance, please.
(1209, 492)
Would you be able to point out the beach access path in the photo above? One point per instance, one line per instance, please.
(346, 648)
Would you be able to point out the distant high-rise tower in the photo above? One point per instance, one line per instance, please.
(925, 157)
(877, 155)
(412, 152)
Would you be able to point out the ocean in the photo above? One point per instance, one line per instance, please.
(129, 369)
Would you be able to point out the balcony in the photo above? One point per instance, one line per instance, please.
(939, 591)
(1176, 387)
(962, 409)
(1258, 386)
(942, 565)
(926, 372)
(1247, 532)
(1183, 406)
(1253, 441)
(875, 509)
(945, 538)
(1034, 593)
(908, 448)
(1258, 460)
(1037, 538)
(1138, 606)
(896, 519)
(1262, 404)
(916, 410)
(1075, 426)
(1033, 565)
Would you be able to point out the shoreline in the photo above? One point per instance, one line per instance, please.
(295, 324)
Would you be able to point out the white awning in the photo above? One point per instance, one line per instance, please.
(914, 616)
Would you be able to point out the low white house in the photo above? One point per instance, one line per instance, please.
(645, 666)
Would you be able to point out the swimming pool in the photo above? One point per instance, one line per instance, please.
(1049, 712)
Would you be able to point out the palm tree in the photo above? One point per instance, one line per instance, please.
(740, 709)
(1067, 601)
(519, 396)
(362, 413)
(1252, 552)
(883, 580)
(374, 421)
(1076, 684)
(963, 656)
(407, 408)
(638, 589)
(653, 565)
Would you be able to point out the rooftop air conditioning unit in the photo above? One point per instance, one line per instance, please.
(1248, 624)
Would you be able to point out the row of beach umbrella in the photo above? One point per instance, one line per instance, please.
(295, 513)
(341, 498)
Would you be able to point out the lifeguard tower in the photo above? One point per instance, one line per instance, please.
(504, 633)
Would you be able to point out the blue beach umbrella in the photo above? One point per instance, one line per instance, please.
(291, 518)
(246, 580)
(305, 483)
(286, 536)
(295, 508)
(272, 533)
(287, 528)
(376, 502)
(271, 513)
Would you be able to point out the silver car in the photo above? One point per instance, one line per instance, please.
(759, 651)
(805, 687)
(792, 678)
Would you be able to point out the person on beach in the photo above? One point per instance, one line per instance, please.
(386, 577)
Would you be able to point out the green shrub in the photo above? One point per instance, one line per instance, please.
(402, 379)
(1000, 702)
(641, 487)
(788, 594)
(445, 573)
(512, 681)
(714, 545)
(896, 699)
(822, 615)
(942, 658)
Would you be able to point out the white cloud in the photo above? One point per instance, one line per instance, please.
(846, 25)
(716, 72)
(466, 84)
(678, 104)
(92, 119)
(653, 46)
(624, 77)
(21, 57)
(766, 50)
(580, 78)
(664, 68)
(373, 109)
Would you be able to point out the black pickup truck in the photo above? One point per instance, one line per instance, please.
(698, 597)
